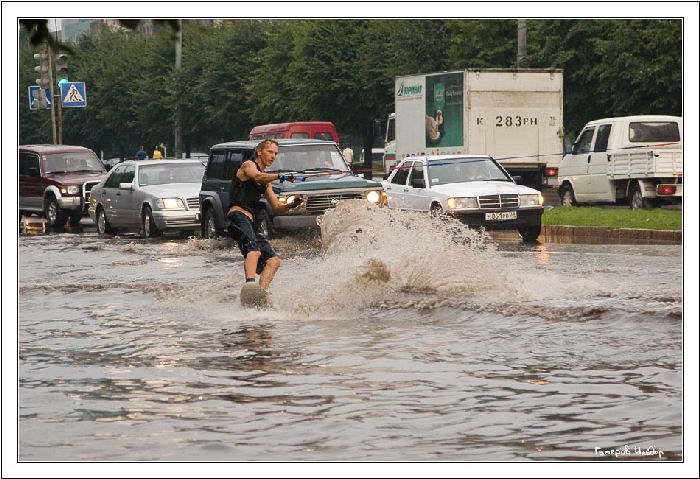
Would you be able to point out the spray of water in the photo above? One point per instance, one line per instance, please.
(380, 257)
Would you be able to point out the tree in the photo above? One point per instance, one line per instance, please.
(611, 67)
(218, 69)
(341, 70)
(245, 72)
(482, 43)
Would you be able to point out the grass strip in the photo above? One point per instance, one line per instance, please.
(655, 219)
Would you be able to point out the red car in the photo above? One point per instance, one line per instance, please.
(55, 181)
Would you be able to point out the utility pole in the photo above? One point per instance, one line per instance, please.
(58, 101)
(522, 44)
(53, 97)
(61, 64)
(178, 66)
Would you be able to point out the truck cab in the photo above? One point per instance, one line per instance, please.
(636, 158)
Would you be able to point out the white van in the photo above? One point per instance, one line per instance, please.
(634, 159)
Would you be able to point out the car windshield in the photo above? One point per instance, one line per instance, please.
(72, 161)
(170, 173)
(461, 170)
(309, 158)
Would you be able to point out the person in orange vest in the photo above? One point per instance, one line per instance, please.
(156, 154)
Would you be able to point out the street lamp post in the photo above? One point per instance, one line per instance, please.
(178, 66)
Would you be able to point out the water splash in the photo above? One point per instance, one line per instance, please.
(374, 257)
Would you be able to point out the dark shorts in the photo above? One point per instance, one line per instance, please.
(248, 239)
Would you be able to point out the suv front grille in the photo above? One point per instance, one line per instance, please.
(495, 202)
(192, 203)
(317, 204)
(87, 187)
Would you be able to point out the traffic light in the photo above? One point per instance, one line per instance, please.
(61, 69)
(43, 70)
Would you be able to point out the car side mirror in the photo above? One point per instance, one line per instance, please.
(418, 183)
(517, 179)
(126, 186)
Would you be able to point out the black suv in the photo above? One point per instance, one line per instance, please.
(329, 180)
(55, 181)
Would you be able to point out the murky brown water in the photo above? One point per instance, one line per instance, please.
(392, 339)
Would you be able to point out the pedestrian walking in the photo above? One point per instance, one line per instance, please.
(141, 154)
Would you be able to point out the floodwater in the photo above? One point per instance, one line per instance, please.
(392, 337)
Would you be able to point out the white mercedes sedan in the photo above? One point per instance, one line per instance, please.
(473, 188)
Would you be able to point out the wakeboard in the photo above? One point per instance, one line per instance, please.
(253, 296)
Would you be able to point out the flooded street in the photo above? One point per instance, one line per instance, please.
(392, 338)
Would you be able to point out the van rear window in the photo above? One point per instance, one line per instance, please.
(650, 131)
(299, 134)
(324, 135)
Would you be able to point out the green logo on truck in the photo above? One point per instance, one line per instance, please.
(404, 91)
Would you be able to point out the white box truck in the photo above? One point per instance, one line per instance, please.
(633, 159)
(515, 116)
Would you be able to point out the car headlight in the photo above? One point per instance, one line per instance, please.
(462, 203)
(373, 196)
(170, 203)
(70, 190)
(531, 200)
(286, 200)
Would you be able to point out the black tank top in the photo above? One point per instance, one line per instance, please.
(246, 194)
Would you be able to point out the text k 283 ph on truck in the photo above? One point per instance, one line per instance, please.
(514, 116)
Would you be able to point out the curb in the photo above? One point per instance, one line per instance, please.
(604, 234)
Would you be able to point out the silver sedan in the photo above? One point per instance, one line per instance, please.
(149, 196)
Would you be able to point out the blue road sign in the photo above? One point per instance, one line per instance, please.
(34, 94)
(73, 94)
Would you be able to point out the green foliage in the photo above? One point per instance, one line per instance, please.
(611, 67)
(240, 73)
(482, 43)
(216, 72)
(655, 219)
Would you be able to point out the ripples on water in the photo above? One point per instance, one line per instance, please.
(392, 337)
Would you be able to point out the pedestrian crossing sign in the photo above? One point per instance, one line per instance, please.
(73, 94)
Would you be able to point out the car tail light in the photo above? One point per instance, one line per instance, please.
(551, 172)
(664, 190)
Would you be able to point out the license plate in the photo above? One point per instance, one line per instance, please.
(502, 216)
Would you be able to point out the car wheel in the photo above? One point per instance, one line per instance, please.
(103, 226)
(566, 194)
(263, 224)
(530, 234)
(210, 231)
(435, 210)
(53, 214)
(637, 201)
(148, 226)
